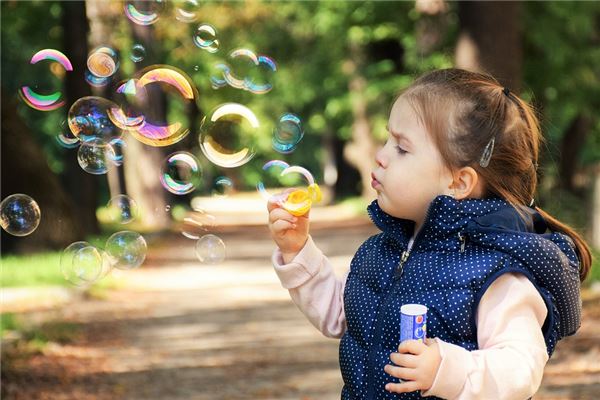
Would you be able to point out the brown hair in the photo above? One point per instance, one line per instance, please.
(463, 111)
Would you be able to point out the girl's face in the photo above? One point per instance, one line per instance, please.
(410, 172)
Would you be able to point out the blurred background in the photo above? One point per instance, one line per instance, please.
(179, 327)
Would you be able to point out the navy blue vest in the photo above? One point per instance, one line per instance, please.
(461, 249)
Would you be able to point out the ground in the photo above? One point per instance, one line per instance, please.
(183, 330)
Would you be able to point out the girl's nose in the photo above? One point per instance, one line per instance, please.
(380, 159)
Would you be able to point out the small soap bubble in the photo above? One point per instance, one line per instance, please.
(206, 38)
(197, 223)
(181, 173)
(186, 10)
(122, 209)
(19, 214)
(144, 12)
(168, 208)
(210, 249)
(225, 126)
(51, 101)
(138, 53)
(118, 145)
(65, 137)
(95, 81)
(103, 62)
(287, 134)
(222, 187)
(126, 249)
(95, 157)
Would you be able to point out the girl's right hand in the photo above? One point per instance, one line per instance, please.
(290, 233)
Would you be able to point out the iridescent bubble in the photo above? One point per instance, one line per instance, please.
(127, 110)
(66, 138)
(287, 134)
(95, 156)
(122, 209)
(186, 10)
(181, 173)
(222, 187)
(126, 249)
(210, 249)
(243, 61)
(82, 264)
(138, 52)
(88, 119)
(227, 135)
(103, 62)
(273, 169)
(51, 101)
(217, 78)
(163, 133)
(144, 12)
(206, 38)
(258, 81)
(19, 214)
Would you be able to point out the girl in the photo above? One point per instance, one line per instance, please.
(461, 235)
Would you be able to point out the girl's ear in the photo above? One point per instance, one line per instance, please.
(466, 183)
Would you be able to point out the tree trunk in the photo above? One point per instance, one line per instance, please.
(490, 40)
(360, 151)
(25, 170)
(82, 187)
(142, 164)
(571, 145)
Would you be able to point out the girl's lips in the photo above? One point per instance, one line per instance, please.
(374, 182)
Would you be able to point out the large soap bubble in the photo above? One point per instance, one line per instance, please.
(88, 119)
(96, 157)
(144, 12)
(210, 249)
(83, 264)
(227, 135)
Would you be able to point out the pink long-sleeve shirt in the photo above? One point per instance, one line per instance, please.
(512, 353)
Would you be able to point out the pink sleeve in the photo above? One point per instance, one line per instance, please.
(512, 353)
(315, 289)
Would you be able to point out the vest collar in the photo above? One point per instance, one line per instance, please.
(447, 216)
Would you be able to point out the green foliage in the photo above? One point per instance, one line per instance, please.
(42, 269)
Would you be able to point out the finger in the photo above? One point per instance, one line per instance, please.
(412, 347)
(404, 387)
(280, 213)
(404, 360)
(281, 226)
(400, 372)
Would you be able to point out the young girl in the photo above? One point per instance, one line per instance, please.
(461, 235)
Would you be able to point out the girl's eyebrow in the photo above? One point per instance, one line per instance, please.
(398, 135)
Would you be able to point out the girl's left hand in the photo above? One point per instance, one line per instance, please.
(417, 364)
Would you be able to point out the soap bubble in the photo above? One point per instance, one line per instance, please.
(181, 173)
(172, 82)
(138, 52)
(144, 12)
(95, 157)
(186, 10)
(118, 146)
(82, 264)
(287, 134)
(258, 82)
(273, 170)
(88, 119)
(19, 214)
(51, 101)
(126, 112)
(103, 62)
(249, 71)
(228, 126)
(122, 209)
(217, 76)
(126, 249)
(222, 186)
(210, 249)
(206, 38)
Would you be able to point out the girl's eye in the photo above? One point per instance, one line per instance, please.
(400, 150)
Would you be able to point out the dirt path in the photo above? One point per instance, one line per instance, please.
(182, 330)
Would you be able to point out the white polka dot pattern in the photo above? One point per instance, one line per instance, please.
(463, 247)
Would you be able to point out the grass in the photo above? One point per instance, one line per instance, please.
(42, 269)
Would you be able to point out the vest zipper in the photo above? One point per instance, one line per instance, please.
(463, 240)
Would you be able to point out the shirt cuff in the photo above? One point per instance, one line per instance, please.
(452, 372)
(304, 266)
